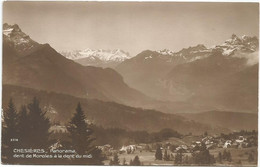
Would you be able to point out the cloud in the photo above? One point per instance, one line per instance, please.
(252, 58)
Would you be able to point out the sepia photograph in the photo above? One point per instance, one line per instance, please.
(130, 83)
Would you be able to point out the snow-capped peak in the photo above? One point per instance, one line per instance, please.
(165, 52)
(243, 44)
(8, 31)
(117, 55)
(234, 40)
(20, 40)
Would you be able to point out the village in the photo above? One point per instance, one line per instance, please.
(235, 149)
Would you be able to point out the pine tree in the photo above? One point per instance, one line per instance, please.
(158, 153)
(166, 157)
(203, 147)
(23, 126)
(203, 157)
(37, 135)
(115, 160)
(136, 161)
(9, 132)
(178, 157)
(229, 158)
(81, 137)
(224, 157)
(80, 133)
(219, 157)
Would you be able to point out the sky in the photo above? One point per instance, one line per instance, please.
(132, 26)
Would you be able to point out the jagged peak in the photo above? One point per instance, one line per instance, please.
(245, 44)
(198, 47)
(15, 27)
(234, 36)
(248, 38)
(235, 40)
(201, 46)
(5, 25)
(165, 52)
(21, 41)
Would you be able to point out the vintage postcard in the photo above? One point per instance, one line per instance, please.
(130, 83)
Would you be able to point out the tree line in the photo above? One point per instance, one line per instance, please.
(29, 127)
(133, 162)
(118, 137)
(200, 157)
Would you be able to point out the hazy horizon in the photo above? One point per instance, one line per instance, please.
(132, 26)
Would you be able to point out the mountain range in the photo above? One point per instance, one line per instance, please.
(39, 66)
(150, 91)
(223, 77)
(100, 57)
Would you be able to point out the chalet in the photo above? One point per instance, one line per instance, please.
(55, 146)
(241, 139)
(198, 143)
(128, 149)
(227, 144)
(184, 148)
(58, 129)
(105, 147)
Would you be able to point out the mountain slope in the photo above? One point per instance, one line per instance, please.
(241, 92)
(224, 83)
(151, 66)
(44, 68)
(232, 120)
(60, 108)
